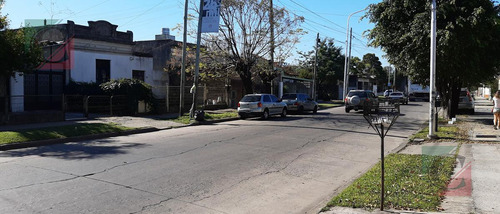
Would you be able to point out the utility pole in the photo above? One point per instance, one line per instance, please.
(197, 63)
(271, 26)
(315, 68)
(394, 80)
(349, 59)
(433, 70)
(184, 55)
(346, 78)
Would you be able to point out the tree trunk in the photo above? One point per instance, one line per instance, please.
(454, 99)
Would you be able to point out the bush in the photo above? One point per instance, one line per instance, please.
(134, 89)
(83, 88)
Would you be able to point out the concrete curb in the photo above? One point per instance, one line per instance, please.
(37, 143)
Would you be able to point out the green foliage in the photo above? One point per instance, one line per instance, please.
(7, 137)
(83, 88)
(330, 66)
(133, 88)
(412, 182)
(468, 41)
(19, 51)
(214, 116)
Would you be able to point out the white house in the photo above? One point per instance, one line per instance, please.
(95, 53)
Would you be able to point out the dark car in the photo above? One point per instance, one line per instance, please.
(356, 100)
(300, 102)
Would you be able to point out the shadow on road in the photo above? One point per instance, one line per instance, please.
(74, 151)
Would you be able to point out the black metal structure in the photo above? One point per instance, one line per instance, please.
(381, 121)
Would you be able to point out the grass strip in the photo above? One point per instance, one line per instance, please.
(444, 132)
(218, 116)
(184, 119)
(7, 137)
(412, 182)
(328, 105)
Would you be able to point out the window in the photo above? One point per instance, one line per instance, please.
(251, 98)
(102, 71)
(267, 99)
(138, 75)
(274, 98)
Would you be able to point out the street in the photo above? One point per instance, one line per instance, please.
(281, 165)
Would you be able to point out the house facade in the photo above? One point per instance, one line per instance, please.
(94, 53)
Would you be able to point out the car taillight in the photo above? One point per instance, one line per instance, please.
(296, 104)
(259, 104)
(239, 104)
(367, 100)
(345, 100)
(470, 98)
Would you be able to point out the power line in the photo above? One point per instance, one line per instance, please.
(317, 14)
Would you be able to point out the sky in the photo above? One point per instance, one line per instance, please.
(146, 18)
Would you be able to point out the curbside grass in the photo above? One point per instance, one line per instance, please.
(8, 137)
(412, 182)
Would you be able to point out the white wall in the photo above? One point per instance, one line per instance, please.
(121, 66)
(17, 93)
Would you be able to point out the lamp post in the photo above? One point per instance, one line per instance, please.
(346, 77)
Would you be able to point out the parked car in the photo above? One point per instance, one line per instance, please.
(398, 97)
(299, 102)
(356, 100)
(466, 101)
(263, 105)
(387, 92)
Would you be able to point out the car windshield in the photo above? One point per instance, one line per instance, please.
(396, 94)
(289, 96)
(360, 94)
(251, 98)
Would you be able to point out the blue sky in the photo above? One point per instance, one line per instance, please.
(146, 18)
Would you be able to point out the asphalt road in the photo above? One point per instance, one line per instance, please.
(281, 165)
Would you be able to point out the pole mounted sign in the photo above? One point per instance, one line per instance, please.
(210, 16)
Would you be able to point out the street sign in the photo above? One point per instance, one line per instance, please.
(210, 16)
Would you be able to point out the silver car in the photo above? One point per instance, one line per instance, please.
(263, 105)
(466, 101)
(300, 102)
(398, 97)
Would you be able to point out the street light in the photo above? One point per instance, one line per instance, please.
(346, 77)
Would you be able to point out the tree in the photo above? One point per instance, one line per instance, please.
(373, 67)
(468, 42)
(19, 51)
(330, 66)
(243, 38)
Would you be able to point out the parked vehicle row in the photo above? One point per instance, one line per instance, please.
(266, 105)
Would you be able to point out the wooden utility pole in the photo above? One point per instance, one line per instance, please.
(315, 68)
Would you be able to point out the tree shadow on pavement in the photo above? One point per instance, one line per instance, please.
(75, 150)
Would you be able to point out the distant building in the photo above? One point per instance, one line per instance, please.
(165, 34)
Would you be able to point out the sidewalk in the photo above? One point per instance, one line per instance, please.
(145, 123)
(475, 185)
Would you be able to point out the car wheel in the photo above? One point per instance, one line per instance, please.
(347, 110)
(265, 115)
(471, 111)
(243, 117)
(283, 113)
(315, 110)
